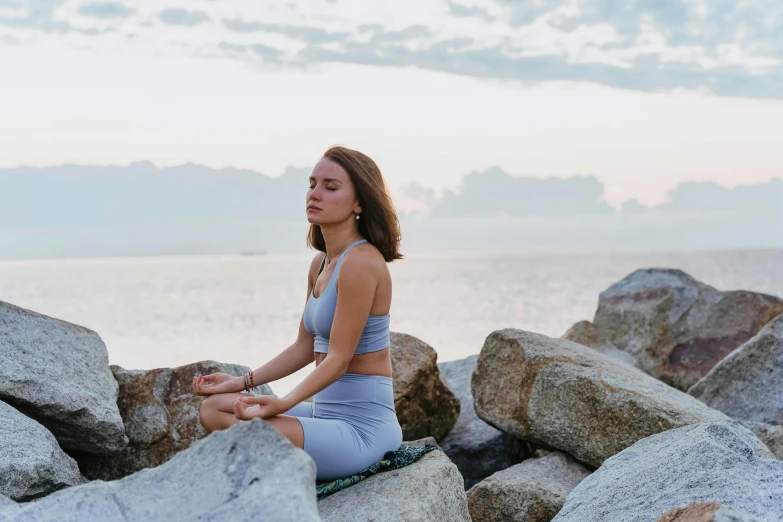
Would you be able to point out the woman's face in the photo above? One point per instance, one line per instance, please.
(331, 197)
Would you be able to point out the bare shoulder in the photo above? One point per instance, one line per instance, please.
(367, 260)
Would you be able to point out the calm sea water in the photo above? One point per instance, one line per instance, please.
(154, 312)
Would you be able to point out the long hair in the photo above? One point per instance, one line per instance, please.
(379, 223)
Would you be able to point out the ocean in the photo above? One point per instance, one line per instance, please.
(169, 311)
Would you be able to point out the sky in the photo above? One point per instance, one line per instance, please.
(642, 95)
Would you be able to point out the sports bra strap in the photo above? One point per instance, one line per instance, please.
(350, 247)
(323, 261)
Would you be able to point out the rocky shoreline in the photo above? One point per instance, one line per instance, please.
(667, 406)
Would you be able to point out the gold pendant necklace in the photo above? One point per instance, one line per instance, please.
(329, 261)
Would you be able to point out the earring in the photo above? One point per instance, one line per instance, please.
(357, 216)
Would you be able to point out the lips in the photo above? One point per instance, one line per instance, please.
(311, 207)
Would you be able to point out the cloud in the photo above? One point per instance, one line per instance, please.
(493, 192)
(178, 16)
(313, 35)
(719, 46)
(40, 14)
(268, 53)
(105, 10)
(710, 197)
(76, 210)
(460, 10)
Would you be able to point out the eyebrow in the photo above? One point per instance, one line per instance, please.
(328, 179)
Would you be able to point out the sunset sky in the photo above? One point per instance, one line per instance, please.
(642, 95)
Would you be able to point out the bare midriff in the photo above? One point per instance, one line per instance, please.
(373, 363)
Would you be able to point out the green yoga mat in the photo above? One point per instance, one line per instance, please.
(402, 457)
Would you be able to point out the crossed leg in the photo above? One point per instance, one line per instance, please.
(217, 413)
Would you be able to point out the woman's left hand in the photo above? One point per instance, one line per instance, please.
(263, 406)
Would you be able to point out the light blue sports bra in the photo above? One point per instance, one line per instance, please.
(319, 315)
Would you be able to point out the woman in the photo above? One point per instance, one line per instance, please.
(344, 328)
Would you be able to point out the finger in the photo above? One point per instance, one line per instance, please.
(254, 399)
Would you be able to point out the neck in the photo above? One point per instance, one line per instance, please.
(337, 239)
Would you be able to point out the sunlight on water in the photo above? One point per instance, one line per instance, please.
(154, 312)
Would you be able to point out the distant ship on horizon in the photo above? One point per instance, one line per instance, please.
(253, 253)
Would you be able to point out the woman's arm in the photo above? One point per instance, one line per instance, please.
(296, 356)
(290, 360)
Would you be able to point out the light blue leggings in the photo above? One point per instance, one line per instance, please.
(350, 424)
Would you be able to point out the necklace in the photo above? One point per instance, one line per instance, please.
(329, 261)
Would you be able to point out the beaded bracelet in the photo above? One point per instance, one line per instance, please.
(249, 384)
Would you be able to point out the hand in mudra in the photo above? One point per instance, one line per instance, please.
(214, 383)
(263, 406)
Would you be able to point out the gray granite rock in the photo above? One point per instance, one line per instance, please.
(424, 404)
(58, 374)
(430, 489)
(706, 512)
(677, 327)
(32, 464)
(161, 417)
(564, 395)
(713, 461)
(586, 334)
(247, 472)
(7, 507)
(532, 491)
(477, 448)
(770, 434)
(748, 383)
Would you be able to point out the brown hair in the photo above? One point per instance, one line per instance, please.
(379, 223)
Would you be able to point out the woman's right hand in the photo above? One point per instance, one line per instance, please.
(216, 383)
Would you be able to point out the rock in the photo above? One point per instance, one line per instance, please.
(161, 417)
(564, 395)
(32, 464)
(247, 472)
(422, 442)
(425, 406)
(430, 489)
(748, 383)
(586, 334)
(712, 461)
(7, 506)
(532, 491)
(478, 449)
(770, 434)
(58, 374)
(706, 512)
(677, 327)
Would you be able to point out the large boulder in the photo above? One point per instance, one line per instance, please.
(430, 489)
(532, 491)
(712, 461)
(564, 395)
(478, 449)
(32, 464)
(161, 417)
(706, 512)
(58, 374)
(425, 406)
(770, 434)
(675, 326)
(247, 472)
(748, 383)
(7, 506)
(586, 334)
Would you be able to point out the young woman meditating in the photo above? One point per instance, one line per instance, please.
(345, 328)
